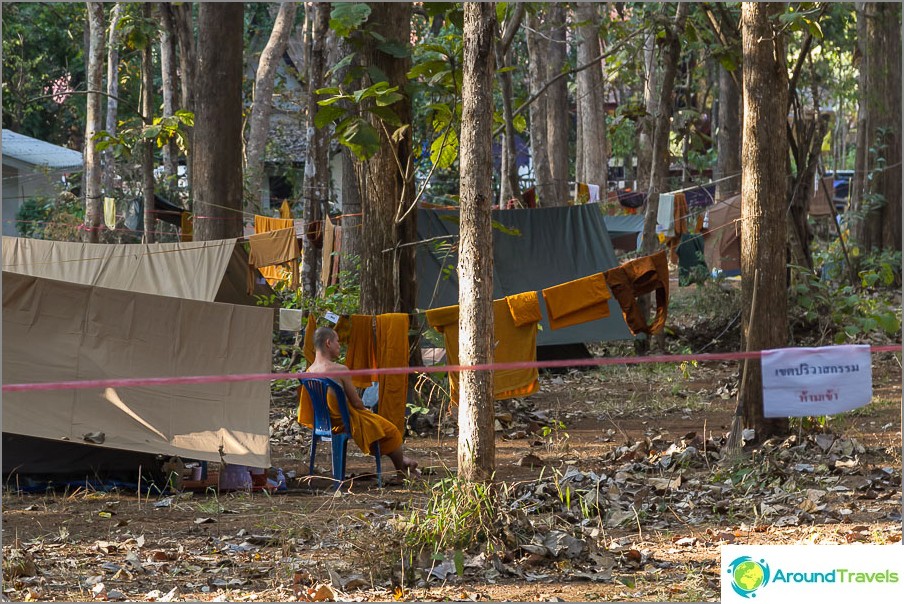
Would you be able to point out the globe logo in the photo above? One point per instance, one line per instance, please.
(748, 575)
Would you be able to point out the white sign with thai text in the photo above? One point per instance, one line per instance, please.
(803, 382)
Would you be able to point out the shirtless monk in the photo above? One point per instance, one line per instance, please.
(364, 421)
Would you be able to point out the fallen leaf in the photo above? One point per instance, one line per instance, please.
(204, 520)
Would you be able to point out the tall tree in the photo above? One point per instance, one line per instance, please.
(557, 122)
(876, 187)
(509, 186)
(476, 444)
(663, 119)
(316, 190)
(764, 198)
(262, 103)
(147, 150)
(591, 97)
(94, 122)
(217, 143)
(188, 61)
(539, 147)
(646, 125)
(112, 94)
(168, 79)
(388, 222)
(728, 137)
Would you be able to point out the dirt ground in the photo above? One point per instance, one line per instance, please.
(649, 541)
(609, 486)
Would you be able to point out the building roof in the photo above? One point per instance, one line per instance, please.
(39, 153)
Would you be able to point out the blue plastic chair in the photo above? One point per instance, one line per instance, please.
(317, 389)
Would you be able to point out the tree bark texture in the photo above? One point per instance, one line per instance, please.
(476, 437)
(147, 151)
(557, 119)
(876, 186)
(94, 122)
(764, 197)
(728, 138)
(646, 126)
(218, 124)
(188, 61)
(661, 157)
(388, 278)
(539, 147)
(262, 105)
(169, 77)
(352, 182)
(591, 97)
(315, 194)
(112, 95)
(509, 184)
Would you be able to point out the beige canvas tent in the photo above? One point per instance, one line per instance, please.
(722, 241)
(55, 330)
(214, 271)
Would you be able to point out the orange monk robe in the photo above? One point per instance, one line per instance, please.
(392, 351)
(361, 353)
(264, 224)
(577, 301)
(367, 427)
(308, 347)
(513, 342)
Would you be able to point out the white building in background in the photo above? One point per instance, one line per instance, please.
(31, 168)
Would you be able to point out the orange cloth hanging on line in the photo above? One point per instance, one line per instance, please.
(186, 229)
(275, 247)
(361, 353)
(285, 210)
(264, 224)
(308, 347)
(392, 351)
(367, 427)
(681, 213)
(512, 343)
(578, 301)
(636, 278)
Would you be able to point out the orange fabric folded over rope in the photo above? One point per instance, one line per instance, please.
(578, 301)
(275, 247)
(525, 308)
(367, 427)
(265, 224)
(392, 351)
(636, 278)
(513, 343)
(285, 210)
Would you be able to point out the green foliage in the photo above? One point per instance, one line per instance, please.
(352, 130)
(847, 313)
(46, 218)
(32, 216)
(458, 515)
(342, 298)
(347, 17)
(162, 130)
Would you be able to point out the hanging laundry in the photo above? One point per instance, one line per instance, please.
(525, 308)
(636, 278)
(110, 213)
(513, 343)
(681, 213)
(392, 351)
(593, 193)
(308, 348)
(187, 227)
(581, 193)
(578, 301)
(275, 247)
(361, 353)
(285, 210)
(264, 224)
(290, 319)
(665, 217)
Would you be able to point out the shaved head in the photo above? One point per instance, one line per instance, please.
(324, 335)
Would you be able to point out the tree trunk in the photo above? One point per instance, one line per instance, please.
(168, 71)
(646, 126)
(352, 181)
(539, 147)
(661, 157)
(94, 122)
(476, 437)
(388, 278)
(592, 98)
(764, 196)
(147, 151)
(557, 120)
(808, 132)
(218, 125)
(316, 191)
(728, 138)
(188, 60)
(112, 95)
(876, 186)
(509, 184)
(259, 122)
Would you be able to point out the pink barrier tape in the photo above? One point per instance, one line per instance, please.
(257, 377)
